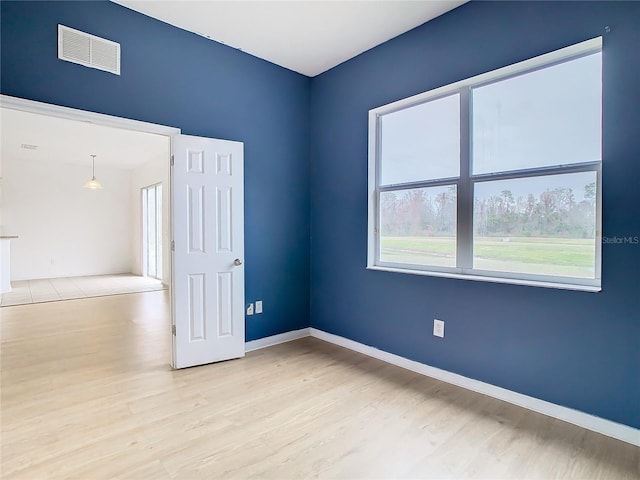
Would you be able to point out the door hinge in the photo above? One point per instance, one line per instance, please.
(173, 159)
(173, 245)
(173, 330)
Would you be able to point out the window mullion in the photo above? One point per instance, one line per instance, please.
(538, 172)
(421, 184)
(464, 251)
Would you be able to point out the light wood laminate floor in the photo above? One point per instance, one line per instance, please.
(87, 393)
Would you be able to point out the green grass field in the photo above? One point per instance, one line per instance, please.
(545, 256)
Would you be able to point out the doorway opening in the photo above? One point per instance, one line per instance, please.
(93, 243)
(206, 304)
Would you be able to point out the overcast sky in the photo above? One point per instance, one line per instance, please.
(551, 116)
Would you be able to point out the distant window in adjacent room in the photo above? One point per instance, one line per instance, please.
(497, 177)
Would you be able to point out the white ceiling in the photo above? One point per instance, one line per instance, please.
(70, 141)
(308, 37)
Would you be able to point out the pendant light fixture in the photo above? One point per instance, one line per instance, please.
(93, 184)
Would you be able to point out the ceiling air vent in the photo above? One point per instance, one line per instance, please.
(88, 50)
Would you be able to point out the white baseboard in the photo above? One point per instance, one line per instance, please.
(590, 422)
(276, 339)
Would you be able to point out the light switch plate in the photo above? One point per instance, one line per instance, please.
(438, 328)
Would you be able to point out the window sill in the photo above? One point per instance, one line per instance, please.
(484, 278)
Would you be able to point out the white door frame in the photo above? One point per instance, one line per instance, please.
(51, 110)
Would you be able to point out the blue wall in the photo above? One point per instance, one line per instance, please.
(577, 349)
(172, 77)
(581, 350)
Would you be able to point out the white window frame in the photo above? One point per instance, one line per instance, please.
(464, 232)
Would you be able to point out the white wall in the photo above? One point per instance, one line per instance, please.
(153, 172)
(1, 196)
(64, 229)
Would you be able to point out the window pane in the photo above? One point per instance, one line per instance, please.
(551, 116)
(421, 142)
(151, 231)
(539, 225)
(418, 226)
(159, 231)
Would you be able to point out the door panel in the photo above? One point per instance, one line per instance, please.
(208, 229)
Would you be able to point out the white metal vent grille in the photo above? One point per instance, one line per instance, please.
(88, 50)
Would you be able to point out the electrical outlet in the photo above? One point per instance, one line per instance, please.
(438, 328)
(258, 306)
(250, 309)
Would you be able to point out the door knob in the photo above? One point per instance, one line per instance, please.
(237, 262)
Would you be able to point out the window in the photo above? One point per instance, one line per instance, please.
(497, 177)
(152, 231)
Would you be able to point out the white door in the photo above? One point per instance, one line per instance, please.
(207, 185)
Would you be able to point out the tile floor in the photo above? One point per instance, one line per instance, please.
(67, 288)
